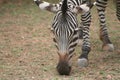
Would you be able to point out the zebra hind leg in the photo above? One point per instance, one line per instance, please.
(104, 37)
(107, 44)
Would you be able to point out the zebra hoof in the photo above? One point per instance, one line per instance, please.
(83, 62)
(108, 47)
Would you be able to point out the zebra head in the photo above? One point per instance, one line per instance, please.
(65, 28)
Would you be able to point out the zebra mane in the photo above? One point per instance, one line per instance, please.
(64, 7)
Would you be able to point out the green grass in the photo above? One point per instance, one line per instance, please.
(27, 51)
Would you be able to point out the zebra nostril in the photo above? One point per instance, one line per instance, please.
(63, 68)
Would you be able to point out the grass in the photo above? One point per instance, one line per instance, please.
(27, 51)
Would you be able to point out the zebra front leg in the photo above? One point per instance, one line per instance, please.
(104, 37)
(81, 31)
(83, 59)
(80, 34)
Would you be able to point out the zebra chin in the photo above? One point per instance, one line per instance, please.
(63, 66)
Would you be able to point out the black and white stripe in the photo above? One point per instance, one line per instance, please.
(104, 36)
(118, 9)
(65, 30)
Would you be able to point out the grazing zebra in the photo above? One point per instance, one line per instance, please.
(66, 30)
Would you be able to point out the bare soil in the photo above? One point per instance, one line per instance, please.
(27, 51)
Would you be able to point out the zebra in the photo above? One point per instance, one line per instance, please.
(118, 9)
(104, 37)
(66, 38)
(65, 28)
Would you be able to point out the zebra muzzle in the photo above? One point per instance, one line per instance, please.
(63, 66)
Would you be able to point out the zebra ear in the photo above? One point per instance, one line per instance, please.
(85, 7)
(76, 10)
(81, 8)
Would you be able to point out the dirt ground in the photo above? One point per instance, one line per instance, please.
(27, 51)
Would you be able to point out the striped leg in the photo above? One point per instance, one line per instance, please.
(80, 35)
(81, 31)
(83, 59)
(118, 9)
(104, 37)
